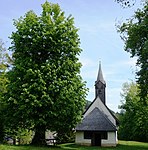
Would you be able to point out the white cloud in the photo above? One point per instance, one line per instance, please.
(89, 74)
(113, 91)
(113, 98)
(87, 62)
(98, 27)
(92, 90)
(129, 62)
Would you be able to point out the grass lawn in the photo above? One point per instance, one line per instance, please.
(123, 145)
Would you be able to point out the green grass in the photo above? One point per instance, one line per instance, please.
(123, 145)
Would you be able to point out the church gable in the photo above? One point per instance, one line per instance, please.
(96, 121)
(103, 108)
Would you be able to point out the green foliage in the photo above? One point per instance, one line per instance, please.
(134, 116)
(46, 90)
(135, 35)
(87, 104)
(25, 137)
(129, 3)
(1, 126)
(65, 137)
(5, 61)
(126, 3)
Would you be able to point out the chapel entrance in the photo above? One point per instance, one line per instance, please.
(96, 139)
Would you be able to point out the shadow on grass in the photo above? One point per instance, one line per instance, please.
(119, 147)
(28, 147)
(132, 147)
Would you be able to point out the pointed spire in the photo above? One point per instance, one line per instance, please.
(100, 74)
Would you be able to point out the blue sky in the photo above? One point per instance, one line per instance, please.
(96, 21)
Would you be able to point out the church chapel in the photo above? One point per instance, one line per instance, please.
(98, 126)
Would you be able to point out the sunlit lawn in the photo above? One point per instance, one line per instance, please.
(123, 145)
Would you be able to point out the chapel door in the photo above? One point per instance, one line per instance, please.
(96, 139)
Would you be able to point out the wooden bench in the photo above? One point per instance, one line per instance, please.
(50, 141)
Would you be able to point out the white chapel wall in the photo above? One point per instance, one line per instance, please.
(111, 140)
(80, 139)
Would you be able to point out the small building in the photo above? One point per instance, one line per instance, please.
(98, 126)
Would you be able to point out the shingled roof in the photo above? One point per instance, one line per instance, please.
(96, 121)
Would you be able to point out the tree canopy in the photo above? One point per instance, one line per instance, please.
(135, 35)
(134, 115)
(134, 32)
(46, 90)
(5, 62)
(126, 3)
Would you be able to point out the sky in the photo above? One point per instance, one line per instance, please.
(96, 20)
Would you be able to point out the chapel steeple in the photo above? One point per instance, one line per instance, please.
(100, 85)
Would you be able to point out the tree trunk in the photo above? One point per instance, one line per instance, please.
(19, 141)
(14, 141)
(39, 137)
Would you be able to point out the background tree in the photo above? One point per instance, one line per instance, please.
(126, 3)
(46, 90)
(129, 3)
(134, 115)
(135, 35)
(5, 62)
